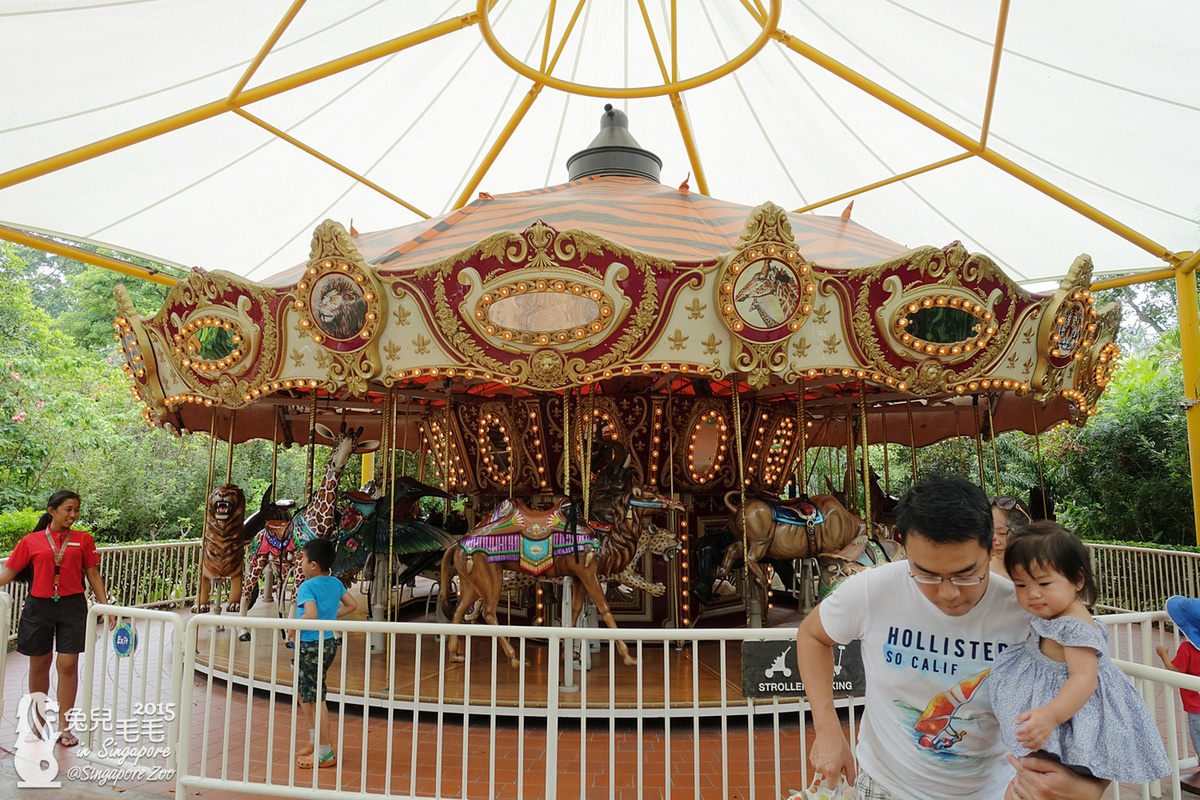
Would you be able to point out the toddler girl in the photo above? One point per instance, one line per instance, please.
(1058, 691)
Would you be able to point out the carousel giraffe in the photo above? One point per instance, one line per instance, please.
(278, 546)
(773, 280)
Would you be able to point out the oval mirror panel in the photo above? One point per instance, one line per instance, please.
(706, 446)
(943, 325)
(543, 312)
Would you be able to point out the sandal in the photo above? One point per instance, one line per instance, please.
(306, 761)
(67, 739)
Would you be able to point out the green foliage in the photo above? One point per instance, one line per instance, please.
(1126, 473)
(14, 524)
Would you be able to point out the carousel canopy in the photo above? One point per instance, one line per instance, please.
(219, 134)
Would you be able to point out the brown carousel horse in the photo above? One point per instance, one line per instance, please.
(786, 529)
(550, 544)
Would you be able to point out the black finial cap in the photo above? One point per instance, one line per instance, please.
(614, 151)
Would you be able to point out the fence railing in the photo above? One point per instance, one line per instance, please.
(1134, 579)
(156, 575)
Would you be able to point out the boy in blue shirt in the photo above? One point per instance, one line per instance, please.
(321, 596)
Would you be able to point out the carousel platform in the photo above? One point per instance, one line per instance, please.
(414, 672)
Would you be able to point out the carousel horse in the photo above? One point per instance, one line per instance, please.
(654, 540)
(786, 529)
(222, 545)
(552, 544)
(268, 510)
(864, 552)
(883, 505)
(279, 544)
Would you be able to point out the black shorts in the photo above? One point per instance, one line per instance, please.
(47, 625)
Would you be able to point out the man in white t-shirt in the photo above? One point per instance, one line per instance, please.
(931, 629)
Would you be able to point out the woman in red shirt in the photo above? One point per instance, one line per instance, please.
(55, 614)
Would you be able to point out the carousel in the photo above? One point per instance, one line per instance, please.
(608, 371)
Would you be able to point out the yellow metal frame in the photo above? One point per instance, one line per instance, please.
(86, 256)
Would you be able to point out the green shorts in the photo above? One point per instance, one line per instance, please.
(314, 664)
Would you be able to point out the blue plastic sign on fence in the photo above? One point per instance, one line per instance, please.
(124, 640)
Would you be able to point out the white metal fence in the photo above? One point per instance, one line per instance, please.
(137, 576)
(1142, 578)
(421, 742)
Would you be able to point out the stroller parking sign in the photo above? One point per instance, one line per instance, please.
(769, 669)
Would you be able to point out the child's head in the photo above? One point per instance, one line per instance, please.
(1185, 613)
(321, 552)
(1048, 546)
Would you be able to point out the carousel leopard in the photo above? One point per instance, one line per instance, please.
(223, 545)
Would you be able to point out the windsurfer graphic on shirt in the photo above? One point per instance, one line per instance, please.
(935, 725)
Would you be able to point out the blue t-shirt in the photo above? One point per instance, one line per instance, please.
(326, 591)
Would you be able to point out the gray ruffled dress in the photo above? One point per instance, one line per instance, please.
(1113, 736)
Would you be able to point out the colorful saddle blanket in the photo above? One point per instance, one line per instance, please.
(795, 512)
(513, 532)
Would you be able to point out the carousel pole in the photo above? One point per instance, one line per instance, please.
(754, 602)
(391, 565)
(866, 454)
(849, 477)
(568, 645)
(312, 449)
(677, 569)
(912, 440)
(1037, 445)
(887, 477)
(379, 611)
(978, 438)
(229, 460)
(995, 458)
(801, 464)
(274, 454)
(208, 486)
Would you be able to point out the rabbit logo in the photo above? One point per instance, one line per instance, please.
(35, 762)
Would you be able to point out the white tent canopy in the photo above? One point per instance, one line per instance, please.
(378, 113)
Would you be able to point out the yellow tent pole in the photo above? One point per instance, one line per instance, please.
(86, 256)
(1140, 277)
(498, 145)
(1193, 260)
(1189, 339)
(268, 45)
(903, 176)
(997, 51)
(681, 118)
(218, 107)
(971, 145)
(268, 127)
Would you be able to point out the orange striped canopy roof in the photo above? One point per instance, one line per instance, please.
(635, 212)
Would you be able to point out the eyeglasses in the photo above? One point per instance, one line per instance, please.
(957, 580)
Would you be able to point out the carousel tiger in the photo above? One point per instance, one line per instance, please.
(223, 545)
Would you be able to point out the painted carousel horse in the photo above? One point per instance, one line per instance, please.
(786, 529)
(222, 545)
(279, 544)
(268, 510)
(862, 553)
(549, 544)
(654, 540)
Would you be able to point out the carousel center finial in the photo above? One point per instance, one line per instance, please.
(614, 151)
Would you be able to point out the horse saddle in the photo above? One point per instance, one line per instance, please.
(797, 511)
(275, 537)
(515, 532)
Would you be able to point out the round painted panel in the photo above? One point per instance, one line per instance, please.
(339, 307)
(766, 294)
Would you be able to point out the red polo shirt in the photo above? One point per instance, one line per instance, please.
(1187, 661)
(81, 554)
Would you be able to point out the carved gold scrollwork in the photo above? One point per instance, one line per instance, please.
(541, 251)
